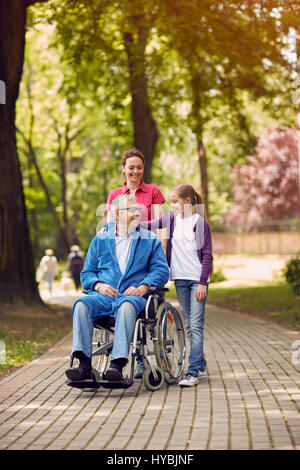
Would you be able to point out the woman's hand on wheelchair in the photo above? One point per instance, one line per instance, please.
(105, 289)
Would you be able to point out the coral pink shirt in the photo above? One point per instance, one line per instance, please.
(146, 195)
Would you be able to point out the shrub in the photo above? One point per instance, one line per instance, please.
(217, 276)
(291, 273)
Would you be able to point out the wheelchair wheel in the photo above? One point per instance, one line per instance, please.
(100, 361)
(152, 383)
(96, 374)
(170, 345)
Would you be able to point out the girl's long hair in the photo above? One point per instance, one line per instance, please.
(186, 190)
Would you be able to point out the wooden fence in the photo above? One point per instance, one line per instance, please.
(279, 243)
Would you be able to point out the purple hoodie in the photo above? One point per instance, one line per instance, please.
(203, 241)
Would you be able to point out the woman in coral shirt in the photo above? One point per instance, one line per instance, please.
(148, 196)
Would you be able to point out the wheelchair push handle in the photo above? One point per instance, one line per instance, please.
(158, 290)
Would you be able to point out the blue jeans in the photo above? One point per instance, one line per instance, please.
(193, 313)
(125, 319)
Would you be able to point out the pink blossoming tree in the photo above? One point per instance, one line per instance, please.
(266, 188)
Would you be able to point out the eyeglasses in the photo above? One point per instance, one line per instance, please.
(131, 210)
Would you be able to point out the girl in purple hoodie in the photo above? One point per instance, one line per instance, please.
(189, 255)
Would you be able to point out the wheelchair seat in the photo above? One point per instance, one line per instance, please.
(107, 322)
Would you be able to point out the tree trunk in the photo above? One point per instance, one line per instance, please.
(61, 226)
(197, 127)
(203, 173)
(33, 219)
(64, 226)
(145, 130)
(17, 273)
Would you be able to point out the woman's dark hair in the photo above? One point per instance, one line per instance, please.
(132, 153)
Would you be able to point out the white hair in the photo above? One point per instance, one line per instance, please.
(117, 202)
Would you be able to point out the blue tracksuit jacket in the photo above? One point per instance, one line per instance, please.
(147, 264)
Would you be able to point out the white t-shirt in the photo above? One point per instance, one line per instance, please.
(185, 263)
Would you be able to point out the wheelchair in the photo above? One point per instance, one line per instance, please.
(158, 337)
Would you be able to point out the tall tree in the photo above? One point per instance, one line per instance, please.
(65, 137)
(17, 273)
(136, 38)
(205, 36)
(111, 38)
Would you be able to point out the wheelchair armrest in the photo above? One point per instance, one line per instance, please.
(158, 290)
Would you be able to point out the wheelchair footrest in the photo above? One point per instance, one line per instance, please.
(86, 383)
(125, 383)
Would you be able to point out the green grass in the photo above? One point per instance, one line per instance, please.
(19, 351)
(275, 301)
(27, 332)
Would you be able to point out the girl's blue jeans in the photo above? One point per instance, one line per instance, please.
(193, 313)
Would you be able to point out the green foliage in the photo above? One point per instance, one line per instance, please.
(27, 332)
(76, 83)
(47, 114)
(273, 300)
(18, 351)
(276, 301)
(291, 273)
(217, 276)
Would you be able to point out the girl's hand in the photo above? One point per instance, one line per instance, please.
(201, 293)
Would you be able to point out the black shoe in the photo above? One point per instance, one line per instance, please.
(78, 373)
(114, 373)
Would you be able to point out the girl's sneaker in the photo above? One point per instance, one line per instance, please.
(202, 375)
(189, 380)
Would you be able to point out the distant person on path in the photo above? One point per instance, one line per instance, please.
(48, 268)
(189, 255)
(75, 263)
(148, 196)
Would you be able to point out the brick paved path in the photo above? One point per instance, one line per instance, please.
(251, 399)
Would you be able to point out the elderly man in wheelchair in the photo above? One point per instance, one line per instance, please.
(125, 268)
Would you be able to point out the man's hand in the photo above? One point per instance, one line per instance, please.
(105, 289)
(141, 290)
(201, 292)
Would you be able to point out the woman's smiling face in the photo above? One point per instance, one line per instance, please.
(133, 169)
